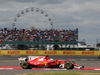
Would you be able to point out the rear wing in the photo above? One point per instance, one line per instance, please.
(22, 59)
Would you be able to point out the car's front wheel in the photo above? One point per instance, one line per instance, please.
(68, 65)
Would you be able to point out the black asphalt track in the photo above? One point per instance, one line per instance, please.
(11, 61)
(15, 57)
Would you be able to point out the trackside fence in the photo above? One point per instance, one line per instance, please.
(42, 52)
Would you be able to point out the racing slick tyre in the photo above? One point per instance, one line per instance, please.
(68, 65)
(25, 65)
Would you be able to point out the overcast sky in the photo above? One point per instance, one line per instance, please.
(65, 14)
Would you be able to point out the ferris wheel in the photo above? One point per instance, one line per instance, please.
(33, 17)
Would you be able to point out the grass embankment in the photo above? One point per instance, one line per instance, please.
(65, 73)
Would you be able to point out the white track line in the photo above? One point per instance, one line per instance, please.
(54, 69)
(6, 68)
(96, 69)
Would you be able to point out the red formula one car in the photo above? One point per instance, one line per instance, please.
(45, 61)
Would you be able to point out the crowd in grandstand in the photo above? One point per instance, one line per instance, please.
(38, 35)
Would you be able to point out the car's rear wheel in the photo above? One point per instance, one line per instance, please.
(25, 65)
(68, 65)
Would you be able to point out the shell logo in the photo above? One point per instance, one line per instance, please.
(45, 63)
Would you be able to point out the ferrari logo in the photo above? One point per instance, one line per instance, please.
(57, 62)
(42, 63)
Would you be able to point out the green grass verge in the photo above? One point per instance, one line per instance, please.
(65, 73)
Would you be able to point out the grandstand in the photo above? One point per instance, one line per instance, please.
(37, 39)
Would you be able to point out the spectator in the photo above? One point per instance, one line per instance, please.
(38, 35)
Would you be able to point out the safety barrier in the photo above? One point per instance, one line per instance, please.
(41, 52)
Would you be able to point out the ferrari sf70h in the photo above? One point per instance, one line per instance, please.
(45, 61)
